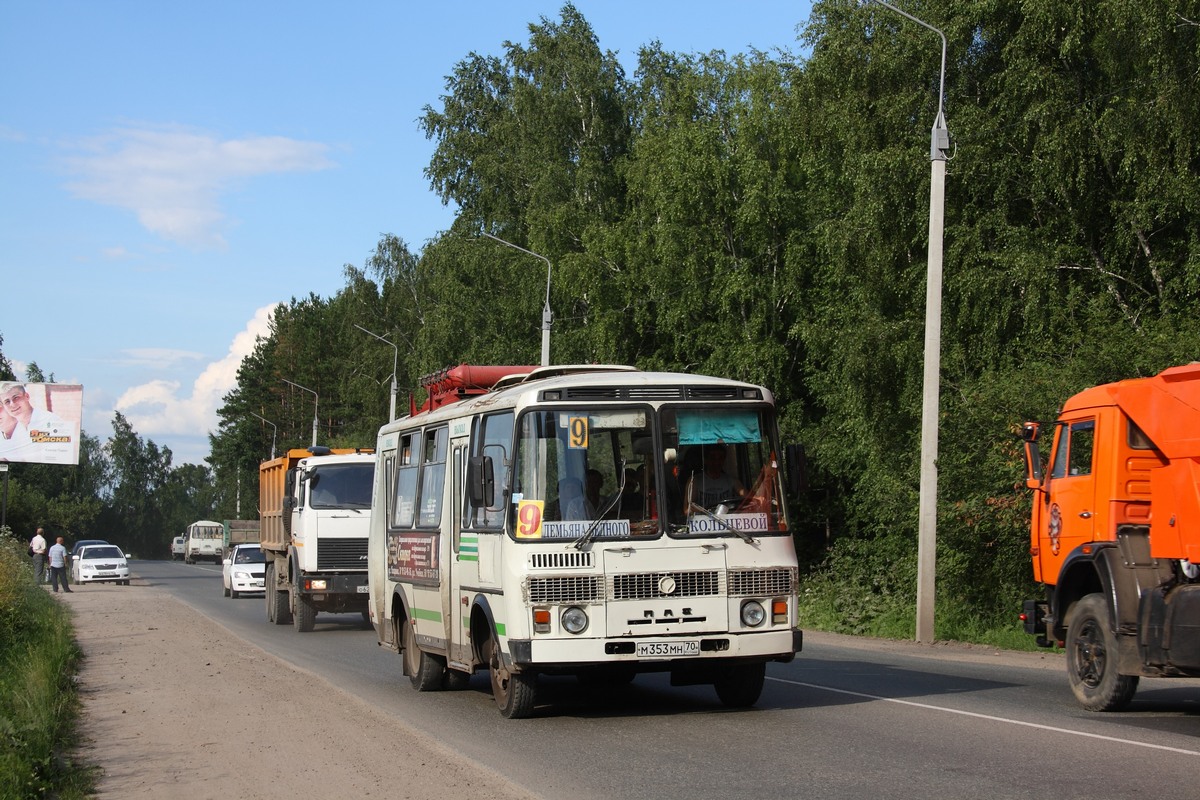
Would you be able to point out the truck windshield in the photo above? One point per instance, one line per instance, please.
(341, 486)
(598, 474)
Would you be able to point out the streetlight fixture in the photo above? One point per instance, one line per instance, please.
(274, 430)
(316, 400)
(927, 507)
(547, 316)
(395, 363)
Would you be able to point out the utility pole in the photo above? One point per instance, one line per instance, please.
(274, 430)
(931, 386)
(395, 366)
(316, 400)
(547, 316)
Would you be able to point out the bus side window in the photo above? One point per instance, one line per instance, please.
(406, 484)
(433, 477)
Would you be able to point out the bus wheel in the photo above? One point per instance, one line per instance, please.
(741, 685)
(424, 670)
(514, 691)
(1092, 658)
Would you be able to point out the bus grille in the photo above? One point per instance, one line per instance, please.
(560, 560)
(761, 582)
(648, 585)
(342, 554)
(557, 591)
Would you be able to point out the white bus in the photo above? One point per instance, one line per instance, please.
(596, 521)
(205, 540)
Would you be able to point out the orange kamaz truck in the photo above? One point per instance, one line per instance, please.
(1115, 534)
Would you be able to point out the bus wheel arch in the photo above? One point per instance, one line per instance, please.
(424, 670)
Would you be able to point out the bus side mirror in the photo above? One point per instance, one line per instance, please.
(481, 481)
(796, 464)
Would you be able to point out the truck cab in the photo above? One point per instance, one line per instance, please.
(1115, 534)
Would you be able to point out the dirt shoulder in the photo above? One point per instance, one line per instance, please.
(153, 739)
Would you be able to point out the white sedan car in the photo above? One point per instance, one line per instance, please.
(98, 563)
(243, 570)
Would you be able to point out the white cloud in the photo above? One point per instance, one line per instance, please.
(157, 357)
(173, 177)
(156, 408)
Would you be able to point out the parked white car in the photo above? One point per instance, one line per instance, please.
(243, 570)
(99, 563)
(178, 548)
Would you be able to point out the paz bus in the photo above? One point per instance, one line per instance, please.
(597, 521)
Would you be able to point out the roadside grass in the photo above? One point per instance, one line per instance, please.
(835, 605)
(39, 705)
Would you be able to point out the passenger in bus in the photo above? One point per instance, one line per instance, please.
(633, 502)
(572, 504)
(595, 482)
(712, 485)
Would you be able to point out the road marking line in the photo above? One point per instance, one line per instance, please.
(990, 718)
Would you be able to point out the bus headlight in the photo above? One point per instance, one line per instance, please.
(753, 613)
(574, 620)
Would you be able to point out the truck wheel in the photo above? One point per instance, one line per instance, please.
(423, 669)
(1092, 658)
(269, 592)
(277, 601)
(305, 615)
(741, 685)
(515, 692)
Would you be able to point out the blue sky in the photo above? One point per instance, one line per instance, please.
(169, 171)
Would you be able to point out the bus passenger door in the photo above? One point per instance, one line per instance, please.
(463, 562)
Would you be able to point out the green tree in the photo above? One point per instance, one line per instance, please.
(139, 470)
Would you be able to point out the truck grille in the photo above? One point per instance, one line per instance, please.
(335, 555)
(761, 582)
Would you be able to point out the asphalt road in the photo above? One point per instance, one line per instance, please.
(849, 718)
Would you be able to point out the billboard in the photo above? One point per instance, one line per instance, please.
(40, 422)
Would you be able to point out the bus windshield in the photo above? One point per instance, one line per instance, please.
(599, 474)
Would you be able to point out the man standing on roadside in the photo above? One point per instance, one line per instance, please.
(38, 545)
(58, 565)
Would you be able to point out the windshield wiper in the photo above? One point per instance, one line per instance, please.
(586, 538)
(693, 506)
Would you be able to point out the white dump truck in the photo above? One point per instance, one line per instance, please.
(315, 516)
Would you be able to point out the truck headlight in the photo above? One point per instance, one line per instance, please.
(574, 620)
(753, 613)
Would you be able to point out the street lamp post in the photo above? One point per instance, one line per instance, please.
(316, 400)
(927, 504)
(547, 316)
(274, 430)
(395, 363)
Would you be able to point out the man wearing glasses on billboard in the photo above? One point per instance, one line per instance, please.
(19, 417)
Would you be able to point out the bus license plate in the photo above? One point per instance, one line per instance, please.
(682, 647)
(363, 588)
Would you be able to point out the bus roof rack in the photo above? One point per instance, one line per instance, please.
(452, 384)
(557, 371)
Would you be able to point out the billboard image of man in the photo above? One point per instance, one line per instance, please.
(33, 432)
